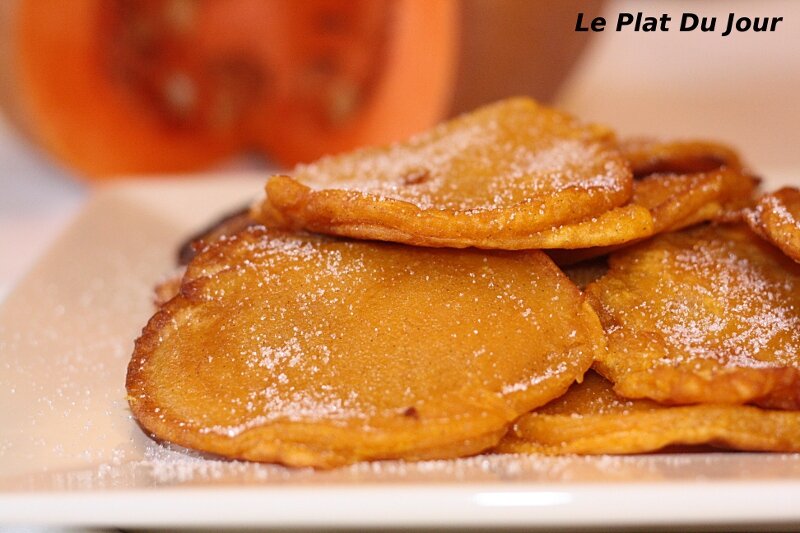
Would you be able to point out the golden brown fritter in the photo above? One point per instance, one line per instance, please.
(512, 175)
(776, 217)
(592, 419)
(308, 350)
(708, 315)
(677, 201)
(649, 156)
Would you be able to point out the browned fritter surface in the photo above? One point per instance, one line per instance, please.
(709, 315)
(677, 201)
(511, 175)
(592, 419)
(308, 350)
(776, 217)
(651, 156)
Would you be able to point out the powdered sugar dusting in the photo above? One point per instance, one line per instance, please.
(325, 343)
(510, 153)
(754, 320)
(776, 217)
(560, 369)
(712, 295)
(170, 466)
(778, 206)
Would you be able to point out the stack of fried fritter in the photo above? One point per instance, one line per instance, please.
(396, 303)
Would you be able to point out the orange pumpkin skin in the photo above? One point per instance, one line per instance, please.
(115, 88)
(407, 89)
(68, 100)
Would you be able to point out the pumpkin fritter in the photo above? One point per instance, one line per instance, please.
(290, 348)
(511, 175)
(677, 201)
(708, 315)
(592, 419)
(649, 156)
(776, 217)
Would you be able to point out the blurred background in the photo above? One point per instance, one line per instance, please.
(96, 90)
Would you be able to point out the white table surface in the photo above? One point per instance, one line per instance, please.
(743, 89)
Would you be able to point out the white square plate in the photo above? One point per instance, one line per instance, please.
(71, 454)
